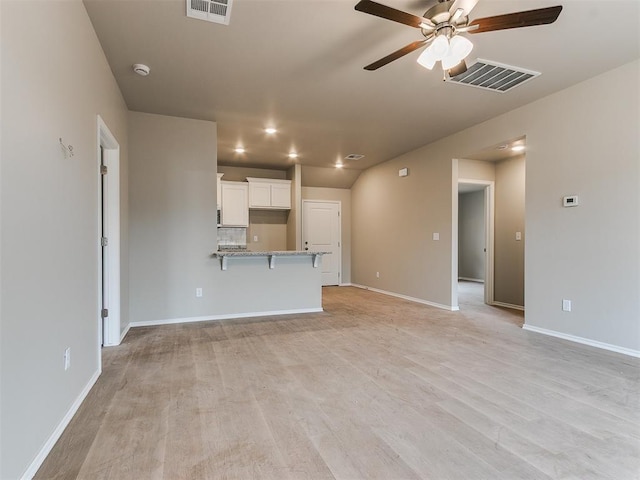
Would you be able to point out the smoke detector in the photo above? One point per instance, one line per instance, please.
(141, 69)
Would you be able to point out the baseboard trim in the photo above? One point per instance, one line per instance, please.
(467, 279)
(584, 341)
(346, 285)
(508, 305)
(124, 332)
(406, 297)
(57, 433)
(229, 316)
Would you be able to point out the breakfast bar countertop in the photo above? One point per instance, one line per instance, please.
(224, 255)
(276, 253)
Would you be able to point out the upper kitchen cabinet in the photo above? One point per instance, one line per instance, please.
(219, 190)
(269, 193)
(235, 204)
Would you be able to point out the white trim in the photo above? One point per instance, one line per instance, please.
(124, 332)
(50, 443)
(108, 142)
(406, 297)
(584, 341)
(466, 279)
(346, 285)
(508, 305)
(228, 316)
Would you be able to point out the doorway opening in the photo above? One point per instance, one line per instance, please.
(476, 209)
(108, 237)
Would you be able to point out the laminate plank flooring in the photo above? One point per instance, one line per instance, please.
(374, 387)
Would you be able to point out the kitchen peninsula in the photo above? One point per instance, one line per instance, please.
(273, 282)
(256, 274)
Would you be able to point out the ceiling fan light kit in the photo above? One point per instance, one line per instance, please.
(449, 52)
(442, 25)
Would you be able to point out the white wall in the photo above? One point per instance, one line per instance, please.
(173, 215)
(55, 81)
(509, 219)
(393, 222)
(589, 254)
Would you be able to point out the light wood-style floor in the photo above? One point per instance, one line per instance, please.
(372, 388)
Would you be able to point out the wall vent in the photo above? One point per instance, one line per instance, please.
(217, 11)
(493, 76)
(354, 156)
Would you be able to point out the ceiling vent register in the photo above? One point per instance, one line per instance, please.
(354, 156)
(216, 11)
(493, 76)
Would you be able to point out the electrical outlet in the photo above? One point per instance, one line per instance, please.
(377, 274)
(566, 305)
(67, 358)
(198, 292)
(518, 236)
(255, 238)
(436, 236)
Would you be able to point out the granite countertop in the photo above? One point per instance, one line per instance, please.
(275, 253)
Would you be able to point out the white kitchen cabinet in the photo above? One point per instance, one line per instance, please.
(219, 190)
(235, 204)
(269, 193)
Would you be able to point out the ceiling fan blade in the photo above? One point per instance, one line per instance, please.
(382, 11)
(529, 18)
(396, 55)
(465, 5)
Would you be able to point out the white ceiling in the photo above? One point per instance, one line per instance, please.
(298, 65)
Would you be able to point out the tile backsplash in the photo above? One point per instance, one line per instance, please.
(232, 237)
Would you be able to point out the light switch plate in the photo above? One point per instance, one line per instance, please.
(566, 305)
(436, 236)
(518, 235)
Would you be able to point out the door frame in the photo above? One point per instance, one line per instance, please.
(111, 210)
(339, 204)
(489, 225)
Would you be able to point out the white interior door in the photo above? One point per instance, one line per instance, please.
(109, 254)
(321, 233)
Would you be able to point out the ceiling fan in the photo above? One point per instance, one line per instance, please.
(442, 25)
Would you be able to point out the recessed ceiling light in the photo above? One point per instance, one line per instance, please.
(240, 150)
(339, 165)
(293, 155)
(270, 130)
(518, 148)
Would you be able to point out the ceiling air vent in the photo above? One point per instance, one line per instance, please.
(217, 11)
(493, 76)
(353, 156)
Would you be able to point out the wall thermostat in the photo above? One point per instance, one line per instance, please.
(570, 201)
